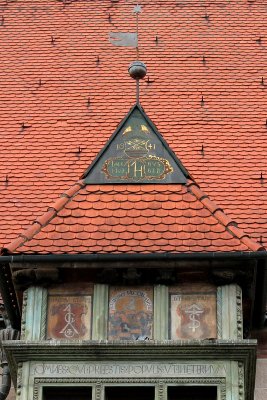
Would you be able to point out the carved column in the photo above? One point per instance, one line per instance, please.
(240, 381)
(229, 312)
(99, 392)
(161, 391)
(23, 314)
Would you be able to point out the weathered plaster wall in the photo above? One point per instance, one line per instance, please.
(261, 380)
(261, 374)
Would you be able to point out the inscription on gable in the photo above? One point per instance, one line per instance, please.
(136, 153)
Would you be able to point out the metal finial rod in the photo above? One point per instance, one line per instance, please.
(137, 91)
(137, 69)
(137, 36)
(137, 10)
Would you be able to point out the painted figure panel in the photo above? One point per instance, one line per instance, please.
(69, 317)
(130, 313)
(193, 316)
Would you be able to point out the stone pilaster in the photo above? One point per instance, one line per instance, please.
(100, 312)
(34, 317)
(161, 312)
(229, 312)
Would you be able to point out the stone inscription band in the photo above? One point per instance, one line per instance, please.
(138, 370)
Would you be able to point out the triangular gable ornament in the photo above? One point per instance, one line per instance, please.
(136, 153)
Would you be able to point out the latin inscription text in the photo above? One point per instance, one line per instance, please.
(129, 370)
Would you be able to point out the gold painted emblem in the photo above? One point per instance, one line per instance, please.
(139, 169)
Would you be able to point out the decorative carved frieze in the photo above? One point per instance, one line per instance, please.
(43, 320)
(23, 316)
(240, 381)
(19, 380)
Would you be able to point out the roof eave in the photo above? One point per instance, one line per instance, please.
(13, 258)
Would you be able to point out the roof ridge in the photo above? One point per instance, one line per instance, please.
(230, 225)
(44, 219)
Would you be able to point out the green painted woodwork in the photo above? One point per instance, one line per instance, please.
(161, 311)
(100, 312)
(229, 312)
(34, 313)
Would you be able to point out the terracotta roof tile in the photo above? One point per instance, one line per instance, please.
(187, 229)
(15, 244)
(60, 228)
(60, 203)
(210, 205)
(54, 235)
(126, 235)
(223, 218)
(31, 231)
(46, 217)
(50, 134)
(74, 189)
(118, 228)
(196, 191)
(251, 244)
(77, 213)
(64, 213)
(133, 213)
(236, 231)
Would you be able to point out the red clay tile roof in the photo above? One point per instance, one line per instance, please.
(133, 219)
(64, 89)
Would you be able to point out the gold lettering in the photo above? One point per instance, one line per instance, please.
(137, 170)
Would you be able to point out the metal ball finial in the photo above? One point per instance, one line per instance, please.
(137, 70)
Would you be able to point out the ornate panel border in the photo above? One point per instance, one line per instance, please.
(100, 383)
